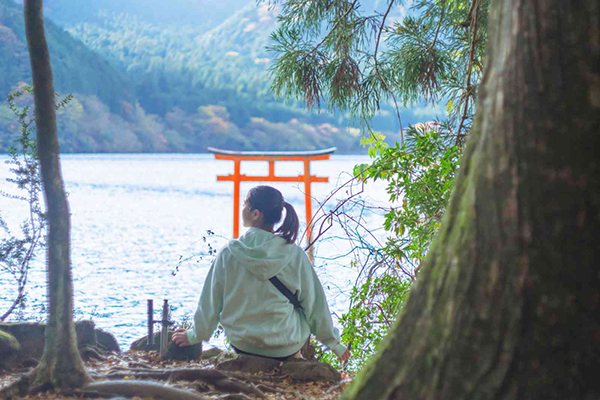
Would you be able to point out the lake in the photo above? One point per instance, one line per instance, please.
(137, 217)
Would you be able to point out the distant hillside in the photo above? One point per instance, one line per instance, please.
(188, 68)
(105, 115)
(86, 125)
(143, 84)
(202, 14)
(76, 68)
(228, 65)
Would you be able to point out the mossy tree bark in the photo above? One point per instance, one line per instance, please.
(61, 366)
(507, 305)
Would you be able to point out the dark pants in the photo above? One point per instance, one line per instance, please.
(256, 355)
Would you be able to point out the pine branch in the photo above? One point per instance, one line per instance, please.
(387, 87)
(337, 24)
(437, 31)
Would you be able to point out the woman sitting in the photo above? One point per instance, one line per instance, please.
(258, 319)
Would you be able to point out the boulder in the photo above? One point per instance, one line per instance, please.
(86, 333)
(298, 370)
(141, 344)
(107, 341)
(249, 364)
(9, 345)
(310, 371)
(174, 352)
(224, 356)
(211, 353)
(30, 337)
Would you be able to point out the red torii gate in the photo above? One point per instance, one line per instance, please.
(271, 156)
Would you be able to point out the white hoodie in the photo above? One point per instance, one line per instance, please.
(257, 317)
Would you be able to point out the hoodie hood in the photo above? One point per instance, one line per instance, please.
(262, 253)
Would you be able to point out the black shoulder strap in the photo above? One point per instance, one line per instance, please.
(292, 297)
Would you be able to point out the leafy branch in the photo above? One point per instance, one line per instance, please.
(17, 251)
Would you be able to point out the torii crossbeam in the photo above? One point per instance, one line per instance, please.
(271, 156)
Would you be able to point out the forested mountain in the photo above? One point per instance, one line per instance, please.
(176, 76)
(202, 14)
(186, 68)
(76, 67)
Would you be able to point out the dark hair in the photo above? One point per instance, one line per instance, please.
(269, 201)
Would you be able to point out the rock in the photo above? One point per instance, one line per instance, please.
(86, 333)
(142, 343)
(225, 356)
(9, 349)
(31, 338)
(8, 343)
(249, 364)
(297, 369)
(107, 341)
(309, 371)
(211, 353)
(174, 352)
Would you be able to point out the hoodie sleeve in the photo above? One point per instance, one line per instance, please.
(316, 310)
(210, 305)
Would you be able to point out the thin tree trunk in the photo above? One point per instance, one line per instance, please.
(61, 366)
(507, 305)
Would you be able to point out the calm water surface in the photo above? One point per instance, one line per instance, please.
(135, 218)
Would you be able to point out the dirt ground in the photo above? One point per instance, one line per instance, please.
(274, 386)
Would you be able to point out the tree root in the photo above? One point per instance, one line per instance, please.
(92, 394)
(268, 389)
(225, 382)
(235, 386)
(142, 389)
(222, 381)
(186, 374)
(88, 352)
(183, 374)
(243, 376)
(235, 396)
(39, 380)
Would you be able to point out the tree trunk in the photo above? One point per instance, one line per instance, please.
(507, 305)
(61, 365)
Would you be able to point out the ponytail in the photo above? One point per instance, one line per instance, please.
(269, 201)
(289, 229)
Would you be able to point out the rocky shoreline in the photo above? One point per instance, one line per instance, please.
(23, 342)
(212, 372)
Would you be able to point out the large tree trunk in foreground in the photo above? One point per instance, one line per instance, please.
(507, 305)
(61, 365)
